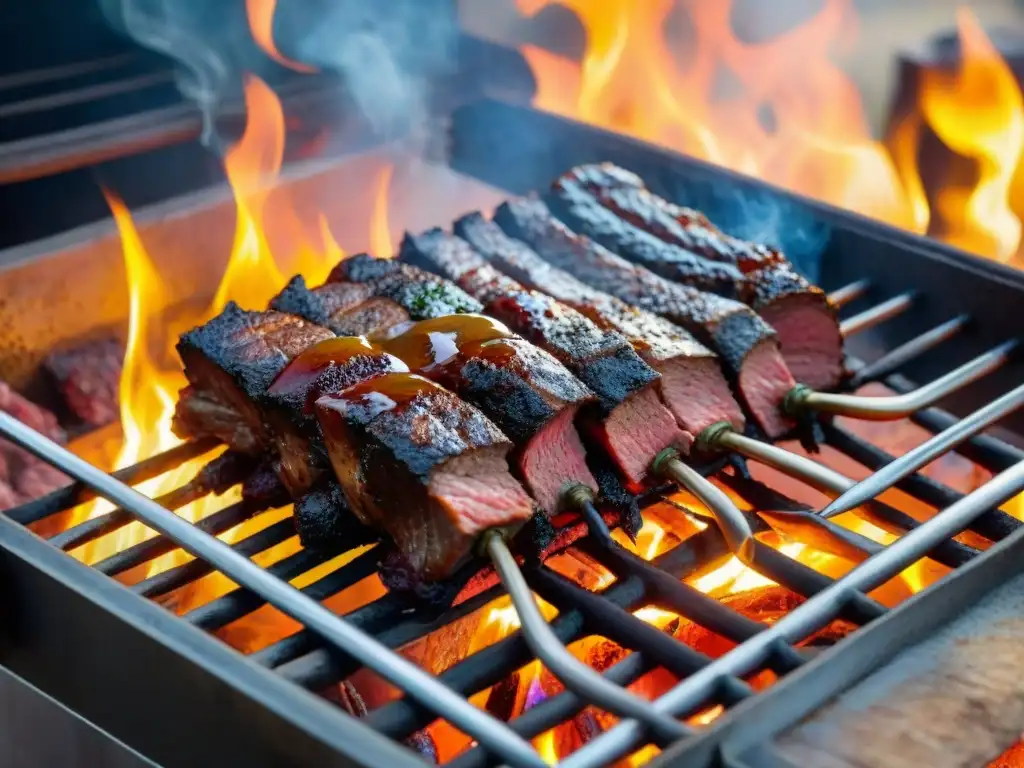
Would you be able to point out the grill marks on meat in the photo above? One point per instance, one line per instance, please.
(602, 359)
(729, 327)
(581, 211)
(807, 324)
(229, 363)
(524, 390)
(692, 384)
(402, 442)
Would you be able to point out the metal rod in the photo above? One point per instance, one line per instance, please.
(806, 618)
(423, 687)
(734, 526)
(886, 477)
(893, 407)
(573, 673)
(896, 358)
(850, 292)
(877, 315)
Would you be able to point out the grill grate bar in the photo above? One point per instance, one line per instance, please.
(877, 315)
(77, 493)
(993, 525)
(905, 353)
(393, 667)
(183, 575)
(692, 693)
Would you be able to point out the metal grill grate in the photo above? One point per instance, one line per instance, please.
(330, 649)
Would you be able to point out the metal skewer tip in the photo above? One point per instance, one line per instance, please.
(731, 521)
(577, 676)
(886, 477)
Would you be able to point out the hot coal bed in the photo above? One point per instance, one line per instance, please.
(159, 684)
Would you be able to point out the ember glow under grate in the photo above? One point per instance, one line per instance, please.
(648, 614)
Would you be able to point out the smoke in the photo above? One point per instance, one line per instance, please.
(388, 55)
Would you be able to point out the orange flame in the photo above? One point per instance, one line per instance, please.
(261, 24)
(978, 112)
(252, 167)
(149, 384)
(790, 115)
(381, 244)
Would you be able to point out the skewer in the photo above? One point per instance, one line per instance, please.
(893, 407)
(843, 296)
(926, 452)
(734, 526)
(877, 315)
(366, 649)
(573, 673)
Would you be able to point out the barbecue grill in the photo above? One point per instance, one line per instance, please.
(163, 686)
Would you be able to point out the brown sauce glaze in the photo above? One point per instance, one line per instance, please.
(428, 345)
(303, 370)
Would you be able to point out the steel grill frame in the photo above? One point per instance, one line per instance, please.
(305, 731)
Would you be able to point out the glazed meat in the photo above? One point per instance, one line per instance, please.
(230, 363)
(691, 384)
(632, 423)
(348, 309)
(422, 465)
(522, 389)
(747, 347)
(807, 324)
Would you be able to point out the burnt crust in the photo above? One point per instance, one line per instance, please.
(325, 523)
(603, 360)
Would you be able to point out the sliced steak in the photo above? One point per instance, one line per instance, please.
(229, 363)
(602, 359)
(729, 327)
(532, 397)
(422, 465)
(800, 312)
(691, 385)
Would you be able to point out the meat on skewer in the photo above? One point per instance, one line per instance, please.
(691, 384)
(403, 442)
(632, 422)
(747, 347)
(529, 394)
(807, 324)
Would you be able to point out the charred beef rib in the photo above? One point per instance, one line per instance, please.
(631, 423)
(692, 384)
(419, 463)
(807, 324)
(747, 346)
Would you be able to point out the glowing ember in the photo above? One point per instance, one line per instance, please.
(261, 24)
(792, 117)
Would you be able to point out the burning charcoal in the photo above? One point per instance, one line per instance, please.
(423, 744)
(345, 695)
(87, 378)
(502, 698)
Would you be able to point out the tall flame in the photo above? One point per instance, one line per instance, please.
(252, 165)
(795, 120)
(978, 112)
(261, 24)
(381, 244)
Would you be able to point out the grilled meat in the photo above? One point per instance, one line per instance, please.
(800, 312)
(524, 390)
(400, 442)
(633, 424)
(324, 521)
(532, 397)
(691, 384)
(348, 309)
(746, 345)
(229, 363)
(329, 366)
(581, 211)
